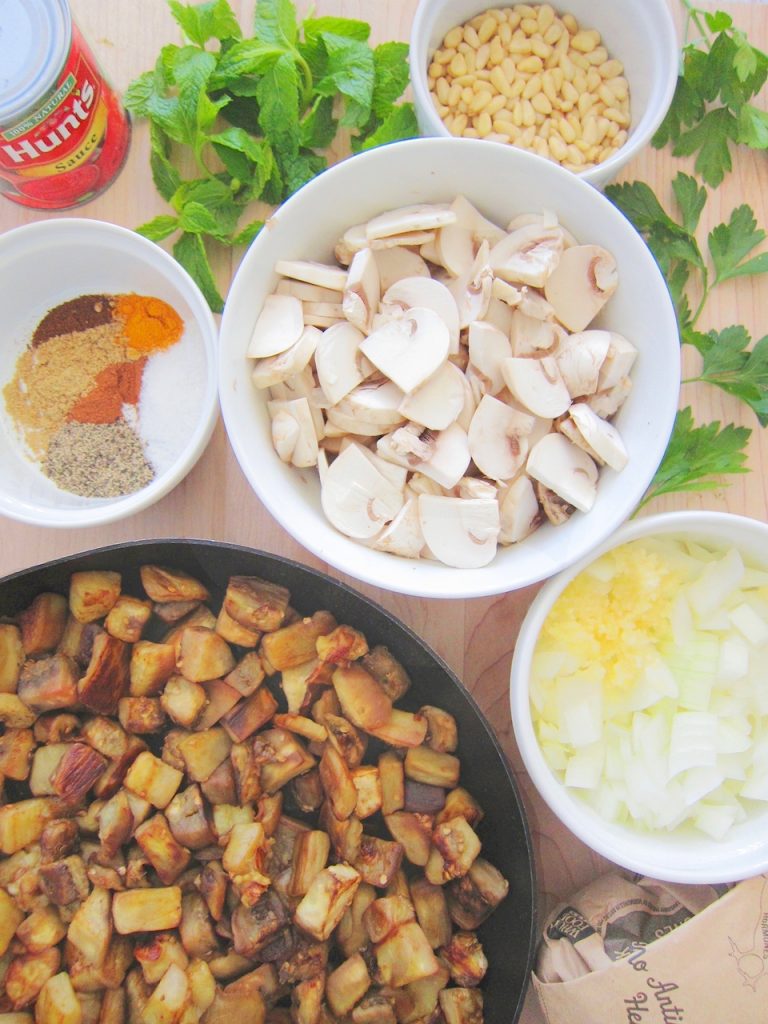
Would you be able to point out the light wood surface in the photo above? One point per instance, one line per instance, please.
(476, 637)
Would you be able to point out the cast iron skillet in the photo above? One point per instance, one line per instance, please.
(508, 936)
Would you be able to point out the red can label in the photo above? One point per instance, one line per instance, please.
(70, 147)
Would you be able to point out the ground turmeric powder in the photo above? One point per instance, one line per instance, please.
(149, 324)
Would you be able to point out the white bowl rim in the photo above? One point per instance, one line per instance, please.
(602, 173)
(119, 508)
(646, 853)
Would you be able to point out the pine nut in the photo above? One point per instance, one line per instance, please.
(528, 76)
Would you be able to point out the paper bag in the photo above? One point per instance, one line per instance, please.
(637, 951)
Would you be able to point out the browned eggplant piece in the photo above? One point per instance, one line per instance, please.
(462, 1005)
(16, 746)
(150, 667)
(160, 848)
(188, 819)
(345, 739)
(42, 623)
(196, 929)
(378, 860)
(465, 958)
(249, 715)
(473, 898)
(107, 677)
(65, 881)
(296, 644)
(422, 798)
(141, 715)
(169, 585)
(93, 593)
(127, 618)
(387, 671)
(253, 927)
(48, 683)
(431, 908)
(413, 832)
(212, 883)
(256, 603)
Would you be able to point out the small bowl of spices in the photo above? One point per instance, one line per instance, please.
(107, 373)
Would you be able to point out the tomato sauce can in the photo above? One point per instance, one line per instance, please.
(64, 134)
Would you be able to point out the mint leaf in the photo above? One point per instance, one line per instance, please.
(189, 250)
(278, 97)
(691, 198)
(202, 220)
(315, 27)
(697, 458)
(196, 109)
(318, 126)
(247, 159)
(275, 22)
(201, 22)
(247, 234)
(159, 227)
(730, 243)
(711, 138)
(301, 169)
(399, 124)
(390, 61)
(164, 175)
(349, 71)
(245, 58)
(137, 96)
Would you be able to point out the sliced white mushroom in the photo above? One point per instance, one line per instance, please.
(499, 315)
(482, 229)
(323, 314)
(607, 403)
(442, 456)
(430, 251)
(439, 401)
(285, 433)
(583, 281)
(408, 238)
(537, 384)
(279, 325)
(547, 219)
(322, 464)
(556, 509)
(456, 248)
(498, 441)
(528, 255)
(519, 511)
(470, 404)
(600, 435)
(303, 449)
(353, 240)
(618, 362)
(472, 291)
(425, 293)
(419, 217)
(460, 532)
(356, 498)
(530, 336)
(396, 263)
(362, 293)
(488, 348)
(579, 357)
(397, 475)
(311, 272)
(564, 469)
(377, 400)
(403, 535)
(409, 350)
(506, 292)
(307, 292)
(474, 487)
(273, 369)
(420, 484)
(336, 360)
(534, 304)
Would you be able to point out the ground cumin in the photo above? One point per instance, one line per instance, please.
(50, 377)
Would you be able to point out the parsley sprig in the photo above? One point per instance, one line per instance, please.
(254, 115)
(711, 111)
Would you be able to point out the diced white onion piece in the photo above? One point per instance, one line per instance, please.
(581, 711)
(692, 741)
(734, 658)
(715, 820)
(749, 624)
(585, 767)
(716, 582)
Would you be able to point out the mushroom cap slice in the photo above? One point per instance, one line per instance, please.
(307, 292)
(618, 362)
(356, 498)
(564, 469)
(377, 401)
(311, 272)
(537, 385)
(426, 293)
(396, 263)
(488, 347)
(556, 509)
(362, 293)
(474, 487)
(528, 255)
(303, 452)
(468, 216)
(439, 401)
(498, 440)
(410, 349)
(579, 358)
(403, 535)
(530, 336)
(461, 532)
(337, 361)
(406, 219)
(472, 290)
(600, 435)
(353, 240)
(273, 369)
(443, 456)
(519, 510)
(506, 292)
(498, 314)
(581, 284)
(278, 326)
(608, 402)
(408, 238)
(456, 249)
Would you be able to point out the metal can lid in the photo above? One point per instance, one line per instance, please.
(35, 37)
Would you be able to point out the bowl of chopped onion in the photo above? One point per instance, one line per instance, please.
(638, 702)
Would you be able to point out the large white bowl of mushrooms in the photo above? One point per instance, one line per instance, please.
(449, 369)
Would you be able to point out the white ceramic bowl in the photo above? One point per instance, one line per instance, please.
(640, 33)
(501, 182)
(44, 264)
(684, 854)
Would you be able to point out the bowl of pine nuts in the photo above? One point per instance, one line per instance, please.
(586, 89)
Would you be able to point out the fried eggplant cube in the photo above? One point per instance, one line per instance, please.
(431, 906)
(255, 603)
(294, 645)
(159, 846)
(281, 757)
(106, 678)
(42, 623)
(153, 779)
(146, 910)
(347, 985)
(11, 657)
(455, 847)
(48, 683)
(151, 666)
(326, 900)
(127, 618)
(462, 1005)
(93, 593)
(362, 699)
(169, 585)
(405, 956)
(90, 930)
